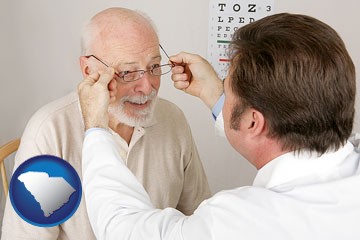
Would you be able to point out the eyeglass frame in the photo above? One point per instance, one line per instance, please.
(142, 72)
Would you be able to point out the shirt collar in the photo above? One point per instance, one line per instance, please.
(298, 167)
(151, 122)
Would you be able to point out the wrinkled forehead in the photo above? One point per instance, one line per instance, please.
(127, 37)
(126, 40)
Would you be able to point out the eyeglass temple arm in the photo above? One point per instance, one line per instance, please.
(98, 60)
(117, 74)
(172, 63)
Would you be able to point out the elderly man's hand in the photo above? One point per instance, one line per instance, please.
(96, 91)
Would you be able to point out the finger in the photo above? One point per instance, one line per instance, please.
(182, 85)
(180, 77)
(184, 57)
(178, 69)
(90, 80)
(106, 77)
(188, 72)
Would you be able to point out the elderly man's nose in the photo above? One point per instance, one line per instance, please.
(145, 84)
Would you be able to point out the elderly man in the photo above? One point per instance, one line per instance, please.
(151, 134)
(289, 110)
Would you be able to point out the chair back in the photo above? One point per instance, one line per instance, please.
(6, 150)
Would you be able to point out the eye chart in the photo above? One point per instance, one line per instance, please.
(226, 16)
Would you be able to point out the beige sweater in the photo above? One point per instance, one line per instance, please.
(162, 155)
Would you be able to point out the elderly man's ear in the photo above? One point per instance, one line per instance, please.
(85, 70)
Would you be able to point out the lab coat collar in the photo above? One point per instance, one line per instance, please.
(298, 168)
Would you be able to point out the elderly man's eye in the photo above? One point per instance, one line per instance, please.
(155, 66)
(123, 73)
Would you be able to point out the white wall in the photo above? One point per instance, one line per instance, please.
(39, 62)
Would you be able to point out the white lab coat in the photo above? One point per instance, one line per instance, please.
(295, 196)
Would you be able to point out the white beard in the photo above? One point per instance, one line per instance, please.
(138, 117)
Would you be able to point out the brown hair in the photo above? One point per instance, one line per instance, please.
(296, 71)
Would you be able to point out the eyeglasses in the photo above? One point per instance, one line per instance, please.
(130, 76)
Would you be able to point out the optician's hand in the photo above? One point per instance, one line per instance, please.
(195, 76)
(96, 91)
